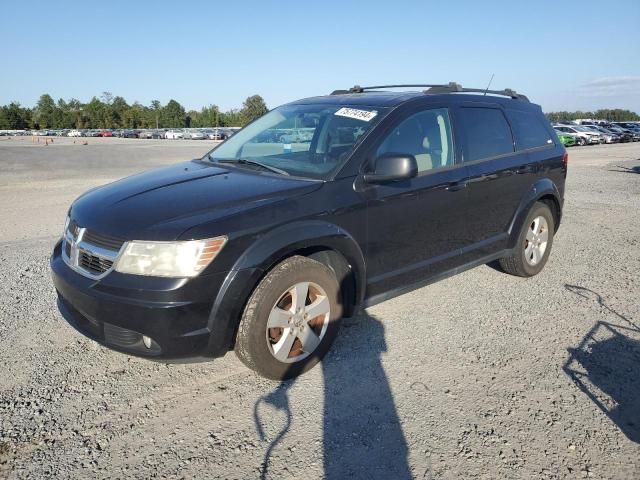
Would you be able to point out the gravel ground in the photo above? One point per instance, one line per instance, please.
(482, 375)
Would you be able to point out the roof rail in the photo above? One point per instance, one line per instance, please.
(451, 87)
(359, 89)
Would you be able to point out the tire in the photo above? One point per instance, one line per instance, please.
(263, 348)
(527, 259)
(582, 141)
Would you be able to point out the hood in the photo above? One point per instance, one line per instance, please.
(162, 204)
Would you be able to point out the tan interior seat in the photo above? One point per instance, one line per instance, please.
(424, 160)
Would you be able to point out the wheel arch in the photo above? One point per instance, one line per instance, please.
(324, 242)
(544, 190)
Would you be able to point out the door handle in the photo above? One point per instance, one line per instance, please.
(456, 186)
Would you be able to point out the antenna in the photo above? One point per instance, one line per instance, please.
(490, 80)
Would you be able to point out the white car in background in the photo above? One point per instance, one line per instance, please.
(609, 137)
(74, 133)
(194, 135)
(174, 134)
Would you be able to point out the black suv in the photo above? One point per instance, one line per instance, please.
(316, 209)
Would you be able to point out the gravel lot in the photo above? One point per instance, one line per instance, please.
(482, 375)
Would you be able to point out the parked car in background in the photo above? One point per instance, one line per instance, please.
(567, 139)
(630, 126)
(609, 136)
(105, 133)
(151, 133)
(585, 136)
(194, 134)
(74, 133)
(173, 134)
(625, 135)
(129, 133)
(217, 134)
(294, 135)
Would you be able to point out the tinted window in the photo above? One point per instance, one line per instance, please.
(486, 133)
(528, 129)
(425, 135)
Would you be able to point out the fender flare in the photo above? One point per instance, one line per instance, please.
(261, 256)
(543, 187)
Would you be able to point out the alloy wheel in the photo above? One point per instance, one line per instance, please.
(536, 240)
(298, 322)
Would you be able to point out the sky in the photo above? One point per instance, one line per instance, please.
(563, 54)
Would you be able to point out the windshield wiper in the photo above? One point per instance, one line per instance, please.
(244, 161)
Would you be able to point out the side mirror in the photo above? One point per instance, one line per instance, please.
(392, 167)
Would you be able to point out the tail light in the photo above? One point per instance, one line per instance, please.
(565, 159)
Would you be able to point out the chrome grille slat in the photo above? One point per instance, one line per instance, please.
(101, 240)
(93, 263)
(90, 253)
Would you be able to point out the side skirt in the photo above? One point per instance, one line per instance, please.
(382, 297)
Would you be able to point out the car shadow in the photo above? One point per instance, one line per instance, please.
(362, 434)
(605, 366)
(623, 169)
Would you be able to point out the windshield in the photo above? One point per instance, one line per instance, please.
(303, 140)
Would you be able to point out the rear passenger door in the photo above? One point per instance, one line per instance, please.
(500, 174)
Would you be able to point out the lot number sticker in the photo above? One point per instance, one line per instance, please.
(363, 115)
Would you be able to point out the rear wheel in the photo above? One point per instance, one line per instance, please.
(290, 320)
(534, 243)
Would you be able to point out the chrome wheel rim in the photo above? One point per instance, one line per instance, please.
(535, 243)
(298, 322)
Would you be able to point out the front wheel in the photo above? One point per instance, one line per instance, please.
(534, 243)
(582, 141)
(290, 319)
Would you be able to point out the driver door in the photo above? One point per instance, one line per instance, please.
(416, 227)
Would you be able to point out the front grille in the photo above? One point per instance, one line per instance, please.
(89, 252)
(93, 264)
(103, 241)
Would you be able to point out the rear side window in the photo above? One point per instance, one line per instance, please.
(486, 133)
(528, 129)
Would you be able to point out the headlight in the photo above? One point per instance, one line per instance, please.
(169, 259)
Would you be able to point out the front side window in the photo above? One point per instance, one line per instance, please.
(301, 140)
(528, 129)
(486, 133)
(425, 135)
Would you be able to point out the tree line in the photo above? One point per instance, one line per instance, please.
(613, 115)
(111, 111)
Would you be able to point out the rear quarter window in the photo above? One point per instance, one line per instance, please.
(485, 132)
(529, 130)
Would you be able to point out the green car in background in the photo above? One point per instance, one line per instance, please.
(565, 139)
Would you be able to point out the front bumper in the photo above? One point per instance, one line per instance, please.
(118, 310)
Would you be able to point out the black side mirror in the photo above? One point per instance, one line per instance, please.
(392, 167)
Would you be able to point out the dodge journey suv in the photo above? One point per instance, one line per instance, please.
(266, 242)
